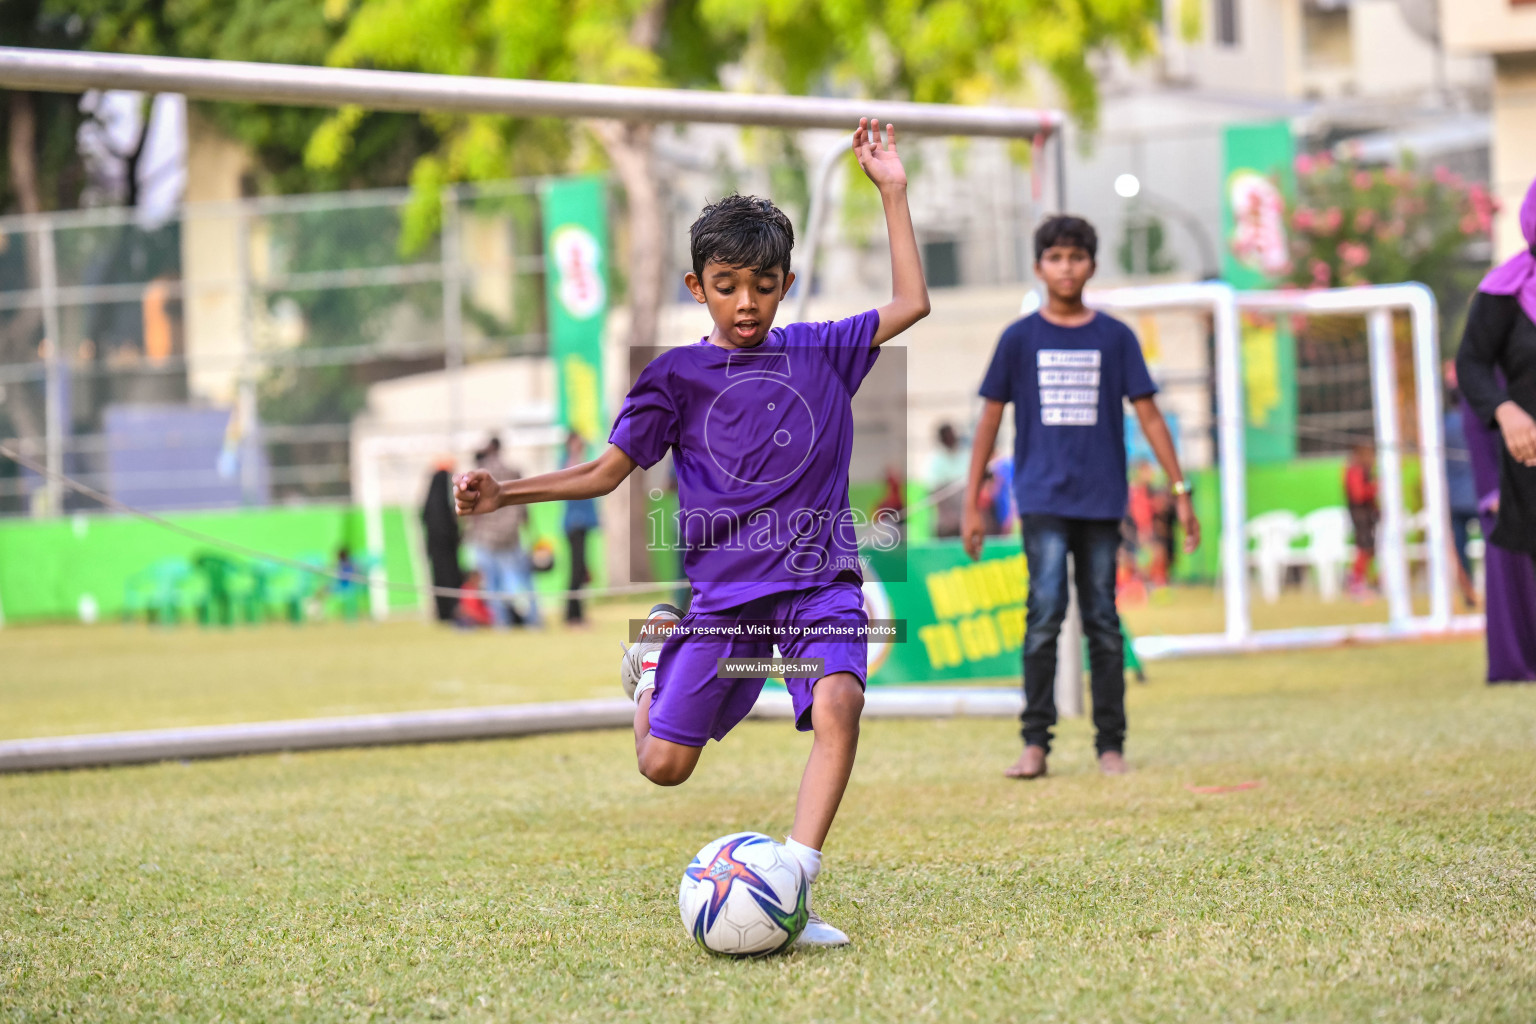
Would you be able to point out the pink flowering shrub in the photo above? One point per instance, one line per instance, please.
(1353, 225)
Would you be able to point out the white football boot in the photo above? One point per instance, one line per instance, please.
(818, 934)
(642, 657)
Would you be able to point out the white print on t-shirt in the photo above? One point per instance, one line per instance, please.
(1069, 378)
(1069, 386)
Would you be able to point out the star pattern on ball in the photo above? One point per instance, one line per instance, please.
(724, 871)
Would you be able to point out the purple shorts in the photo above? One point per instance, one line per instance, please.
(692, 703)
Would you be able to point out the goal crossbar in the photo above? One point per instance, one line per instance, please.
(310, 86)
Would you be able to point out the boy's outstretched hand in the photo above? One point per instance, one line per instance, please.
(909, 289)
(879, 162)
(476, 493)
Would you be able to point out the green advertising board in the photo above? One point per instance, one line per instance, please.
(964, 619)
(576, 282)
(1258, 181)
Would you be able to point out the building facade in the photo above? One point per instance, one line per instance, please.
(1505, 32)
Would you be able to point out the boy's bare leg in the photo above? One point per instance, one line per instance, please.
(835, 724)
(662, 761)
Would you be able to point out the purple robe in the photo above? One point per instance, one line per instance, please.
(1510, 601)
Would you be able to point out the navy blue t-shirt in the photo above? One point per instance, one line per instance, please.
(1067, 386)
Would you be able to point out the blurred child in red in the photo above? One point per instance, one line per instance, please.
(1360, 495)
(473, 612)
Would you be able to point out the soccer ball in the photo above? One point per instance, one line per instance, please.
(744, 895)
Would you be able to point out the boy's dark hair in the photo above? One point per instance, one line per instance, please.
(1068, 231)
(742, 231)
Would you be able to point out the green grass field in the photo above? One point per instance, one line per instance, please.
(1385, 869)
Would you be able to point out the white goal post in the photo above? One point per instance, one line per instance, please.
(1377, 305)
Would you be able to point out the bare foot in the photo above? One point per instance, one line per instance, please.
(1112, 762)
(1030, 765)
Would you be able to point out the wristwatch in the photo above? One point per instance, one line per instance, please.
(1181, 488)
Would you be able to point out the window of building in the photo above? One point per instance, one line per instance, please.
(1226, 22)
(941, 263)
(1325, 34)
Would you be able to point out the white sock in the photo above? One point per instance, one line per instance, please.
(810, 860)
(647, 674)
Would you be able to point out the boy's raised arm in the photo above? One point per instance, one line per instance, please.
(909, 289)
(477, 492)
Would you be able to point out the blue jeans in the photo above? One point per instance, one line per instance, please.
(1094, 545)
(1461, 536)
(507, 571)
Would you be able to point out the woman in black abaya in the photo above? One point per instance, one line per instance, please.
(441, 524)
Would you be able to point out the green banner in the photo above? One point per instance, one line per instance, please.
(1259, 180)
(576, 283)
(965, 620)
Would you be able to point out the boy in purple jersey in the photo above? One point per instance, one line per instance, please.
(760, 425)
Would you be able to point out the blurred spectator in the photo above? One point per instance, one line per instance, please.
(1360, 495)
(473, 612)
(440, 523)
(999, 514)
(995, 500)
(947, 469)
(347, 587)
(1138, 512)
(1496, 368)
(1165, 550)
(496, 545)
(580, 518)
(1462, 490)
(1509, 594)
(892, 506)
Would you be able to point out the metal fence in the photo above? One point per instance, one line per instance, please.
(218, 358)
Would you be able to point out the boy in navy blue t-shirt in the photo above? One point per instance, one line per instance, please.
(1067, 371)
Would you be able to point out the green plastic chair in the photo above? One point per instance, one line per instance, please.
(163, 592)
(255, 597)
(290, 589)
(223, 594)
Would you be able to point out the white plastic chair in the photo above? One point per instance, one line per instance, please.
(1270, 536)
(1328, 534)
(1415, 530)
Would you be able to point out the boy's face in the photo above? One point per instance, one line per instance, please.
(742, 301)
(1065, 269)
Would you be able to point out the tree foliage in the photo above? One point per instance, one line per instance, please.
(927, 50)
(1353, 224)
(1357, 225)
(55, 173)
(934, 51)
(385, 145)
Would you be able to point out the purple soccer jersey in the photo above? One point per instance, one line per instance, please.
(761, 440)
